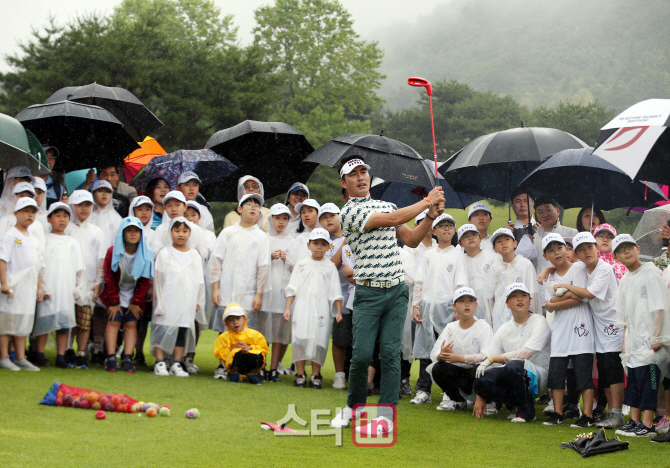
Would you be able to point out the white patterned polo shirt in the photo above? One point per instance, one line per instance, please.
(375, 250)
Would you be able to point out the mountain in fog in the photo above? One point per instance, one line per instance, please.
(538, 51)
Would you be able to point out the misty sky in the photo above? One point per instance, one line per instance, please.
(20, 16)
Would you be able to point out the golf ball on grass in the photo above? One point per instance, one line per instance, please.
(192, 413)
(100, 415)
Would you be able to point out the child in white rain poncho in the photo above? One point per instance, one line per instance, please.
(104, 216)
(309, 220)
(179, 299)
(204, 316)
(313, 290)
(129, 268)
(91, 242)
(298, 193)
(14, 176)
(269, 320)
(189, 184)
(239, 265)
(25, 190)
(41, 199)
(61, 279)
(245, 186)
(19, 271)
(509, 268)
(175, 206)
(438, 276)
(643, 310)
(143, 209)
(428, 242)
(478, 263)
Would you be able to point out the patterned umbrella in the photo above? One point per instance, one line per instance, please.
(210, 167)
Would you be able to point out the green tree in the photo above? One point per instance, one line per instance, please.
(178, 56)
(330, 76)
(582, 120)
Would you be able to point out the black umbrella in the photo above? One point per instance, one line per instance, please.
(86, 136)
(270, 151)
(389, 159)
(576, 178)
(590, 443)
(403, 195)
(121, 103)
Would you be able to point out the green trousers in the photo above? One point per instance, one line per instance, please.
(377, 312)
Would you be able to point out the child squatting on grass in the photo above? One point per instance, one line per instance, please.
(240, 349)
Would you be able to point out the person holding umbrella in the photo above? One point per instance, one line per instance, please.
(371, 228)
(524, 227)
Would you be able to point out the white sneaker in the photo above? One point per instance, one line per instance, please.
(382, 426)
(550, 407)
(177, 370)
(445, 397)
(421, 397)
(343, 418)
(190, 367)
(24, 364)
(339, 381)
(161, 369)
(519, 419)
(451, 405)
(7, 363)
(491, 409)
(221, 373)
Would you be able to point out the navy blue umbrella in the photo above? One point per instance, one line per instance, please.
(577, 178)
(210, 167)
(403, 194)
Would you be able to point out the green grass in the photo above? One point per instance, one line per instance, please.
(228, 430)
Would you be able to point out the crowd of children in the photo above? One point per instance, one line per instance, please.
(488, 325)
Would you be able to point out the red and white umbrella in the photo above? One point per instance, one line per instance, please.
(637, 141)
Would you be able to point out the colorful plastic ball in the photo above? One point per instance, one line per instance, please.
(151, 412)
(96, 406)
(164, 411)
(109, 406)
(135, 408)
(83, 403)
(59, 402)
(100, 415)
(103, 401)
(192, 413)
(76, 403)
(122, 408)
(67, 400)
(166, 406)
(115, 400)
(143, 407)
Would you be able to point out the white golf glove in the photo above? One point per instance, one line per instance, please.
(482, 367)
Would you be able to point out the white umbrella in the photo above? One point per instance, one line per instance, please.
(637, 141)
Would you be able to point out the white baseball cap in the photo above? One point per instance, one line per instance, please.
(188, 175)
(480, 206)
(351, 165)
(24, 202)
(280, 208)
(501, 232)
(81, 196)
(309, 202)
(421, 215)
(39, 183)
(464, 292)
(466, 228)
(98, 184)
(319, 233)
(551, 237)
(328, 208)
(256, 196)
(142, 200)
(516, 287)
(444, 217)
(58, 206)
(176, 195)
(24, 187)
(583, 238)
(194, 204)
(622, 239)
(19, 171)
(234, 310)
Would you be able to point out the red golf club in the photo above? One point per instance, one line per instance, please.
(421, 83)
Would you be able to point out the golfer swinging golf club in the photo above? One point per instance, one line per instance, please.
(372, 228)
